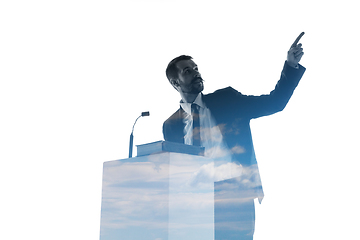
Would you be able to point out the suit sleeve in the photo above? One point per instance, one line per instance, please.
(258, 106)
(165, 132)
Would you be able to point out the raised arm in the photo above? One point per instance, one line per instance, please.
(258, 106)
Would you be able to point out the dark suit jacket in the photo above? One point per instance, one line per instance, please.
(233, 111)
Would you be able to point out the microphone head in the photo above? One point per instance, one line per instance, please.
(144, 114)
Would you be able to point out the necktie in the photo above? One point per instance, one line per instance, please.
(196, 124)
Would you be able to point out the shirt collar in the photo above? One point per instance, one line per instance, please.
(187, 106)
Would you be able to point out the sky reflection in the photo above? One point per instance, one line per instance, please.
(176, 196)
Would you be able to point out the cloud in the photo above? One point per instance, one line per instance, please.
(142, 194)
(119, 172)
(238, 149)
(217, 152)
(213, 134)
(209, 173)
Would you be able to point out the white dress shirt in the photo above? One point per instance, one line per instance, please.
(210, 134)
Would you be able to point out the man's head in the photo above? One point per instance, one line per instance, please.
(184, 76)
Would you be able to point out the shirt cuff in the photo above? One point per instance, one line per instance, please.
(296, 67)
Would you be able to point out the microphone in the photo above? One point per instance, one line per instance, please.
(143, 114)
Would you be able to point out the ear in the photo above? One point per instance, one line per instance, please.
(174, 82)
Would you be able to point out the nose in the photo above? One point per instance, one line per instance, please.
(197, 75)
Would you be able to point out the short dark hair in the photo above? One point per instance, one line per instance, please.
(172, 69)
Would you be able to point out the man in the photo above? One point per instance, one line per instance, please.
(220, 121)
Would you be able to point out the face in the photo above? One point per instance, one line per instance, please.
(189, 78)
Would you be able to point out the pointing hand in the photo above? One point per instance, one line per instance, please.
(296, 52)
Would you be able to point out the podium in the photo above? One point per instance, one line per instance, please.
(173, 196)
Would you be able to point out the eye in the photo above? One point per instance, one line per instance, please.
(196, 68)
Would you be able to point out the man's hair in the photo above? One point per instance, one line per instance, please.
(172, 69)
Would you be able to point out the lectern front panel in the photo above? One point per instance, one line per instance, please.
(158, 197)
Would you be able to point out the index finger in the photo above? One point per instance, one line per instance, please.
(297, 39)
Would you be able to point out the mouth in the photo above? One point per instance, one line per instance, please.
(197, 84)
(197, 80)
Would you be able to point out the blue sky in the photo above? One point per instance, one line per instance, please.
(76, 74)
(169, 196)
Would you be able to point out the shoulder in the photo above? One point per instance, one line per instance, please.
(225, 100)
(224, 93)
(225, 90)
(173, 127)
(176, 116)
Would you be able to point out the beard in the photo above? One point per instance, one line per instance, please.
(197, 85)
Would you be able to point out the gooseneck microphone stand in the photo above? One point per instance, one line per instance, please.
(143, 114)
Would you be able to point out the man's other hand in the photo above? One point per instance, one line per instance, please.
(295, 53)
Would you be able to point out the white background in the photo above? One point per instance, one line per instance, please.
(76, 74)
